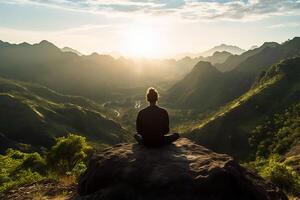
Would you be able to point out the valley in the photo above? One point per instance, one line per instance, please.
(241, 105)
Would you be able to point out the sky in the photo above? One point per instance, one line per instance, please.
(149, 28)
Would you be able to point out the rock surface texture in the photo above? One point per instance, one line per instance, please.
(183, 170)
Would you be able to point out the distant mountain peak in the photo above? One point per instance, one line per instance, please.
(223, 47)
(4, 44)
(253, 47)
(95, 54)
(45, 43)
(295, 40)
(204, 67)
(24, 44)
(270, 44)
(221, 53)
(203, 64)
(68, 49)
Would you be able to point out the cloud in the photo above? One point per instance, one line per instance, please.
(286, 25)
(185, 9)
(239, 10)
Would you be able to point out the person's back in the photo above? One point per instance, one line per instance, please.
(152, 123)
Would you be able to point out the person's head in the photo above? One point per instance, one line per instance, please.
(152, 95)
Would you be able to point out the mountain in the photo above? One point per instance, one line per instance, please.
(44, 63)
(229, 129)
(218, 57)
(205, 88)
(230, 85)
(186, 64)
(253, 47)
(194, 89)
(32, 116)
(269, 55)
(220, 48)
(99, 77)
(223, 47)
(68, 49)
(233, 61)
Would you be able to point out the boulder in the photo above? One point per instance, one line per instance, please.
(183, 170)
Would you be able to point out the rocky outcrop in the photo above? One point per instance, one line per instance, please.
(184, 171)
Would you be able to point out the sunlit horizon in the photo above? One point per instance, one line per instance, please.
(148, 29)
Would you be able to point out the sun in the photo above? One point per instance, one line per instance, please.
(142, 42)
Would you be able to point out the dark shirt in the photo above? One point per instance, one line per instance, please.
(153, 123)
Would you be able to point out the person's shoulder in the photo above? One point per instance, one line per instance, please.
(144, 110)
(162, 109)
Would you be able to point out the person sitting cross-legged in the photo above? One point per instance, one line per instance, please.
(152, 123)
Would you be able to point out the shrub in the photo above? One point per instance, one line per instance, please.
(35, 162)
(13, 172)
(68, 152)
(65, 159)
(278, 172)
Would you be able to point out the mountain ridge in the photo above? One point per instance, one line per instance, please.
(232, 84)
(222, 47)
(68, 49)
(275, 90)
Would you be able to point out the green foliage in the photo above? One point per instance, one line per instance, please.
(78, 169)
(69, 153)
(277, 134)
(18, 168)
(35, 162)
(278, 172)
(66, 158)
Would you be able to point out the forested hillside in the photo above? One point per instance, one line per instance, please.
(32, 116)
(228, 86)
(229, 129)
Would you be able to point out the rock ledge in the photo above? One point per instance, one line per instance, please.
(183, 170)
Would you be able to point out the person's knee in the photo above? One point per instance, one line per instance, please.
(171, 138)
(138, 138)
(176, 135)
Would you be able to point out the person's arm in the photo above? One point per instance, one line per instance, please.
(166, 128)
(138, 124)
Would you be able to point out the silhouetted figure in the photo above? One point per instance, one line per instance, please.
(152, 123)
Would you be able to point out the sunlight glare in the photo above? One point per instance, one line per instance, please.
(142, 42)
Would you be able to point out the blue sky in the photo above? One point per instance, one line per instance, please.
(154, 28)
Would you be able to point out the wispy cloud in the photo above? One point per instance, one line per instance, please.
(186, 9)
(239, 10)
(284, 25)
